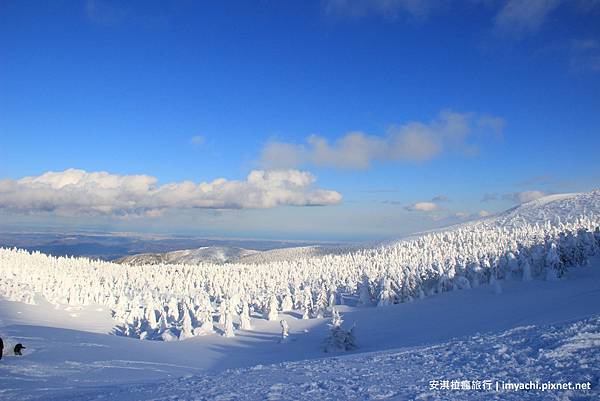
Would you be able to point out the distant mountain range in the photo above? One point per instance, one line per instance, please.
(112, 246)
(229, 254)
(211, 254)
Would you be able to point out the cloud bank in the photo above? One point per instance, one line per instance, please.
(524, 197)
(429, 206)
(77, 192)
(515, 18)
(524, 16)
(515, 197)
(423, 207)
(411, 142)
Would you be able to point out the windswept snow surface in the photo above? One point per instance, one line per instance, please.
(472, 368)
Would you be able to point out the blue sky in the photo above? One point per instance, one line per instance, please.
(482, 104)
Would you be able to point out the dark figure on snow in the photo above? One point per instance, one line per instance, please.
(1, 347)
(18, 349)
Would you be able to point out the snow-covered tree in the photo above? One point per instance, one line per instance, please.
(321, 303)
(338, 338)
(495, 284)
(364, 293)
(526, 268)
(245, 317)
(221, 308)
(287, 303)
(387, 296)
(187, 331)
(228, 323)
(285, 330)
(554, 266)
(272, 312)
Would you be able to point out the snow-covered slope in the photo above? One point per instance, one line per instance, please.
(294, 253)
(480, 367)
(208, 254)
(553, 209)
(537, 264)
(459, 334)
(170, 301)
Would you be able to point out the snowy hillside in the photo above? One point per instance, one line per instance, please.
(208, 254)
(480, 367)
(538, 264)
(565, 208)
(293, 253)
(449, 336)
(178, 301)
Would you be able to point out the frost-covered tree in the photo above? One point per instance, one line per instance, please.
(221, 316)
(187, 331)
(331, 302)
(339, 339)
(364, 292)
(526, 268)
(307, 303)
(173, 310)
(162, 323)
(512, 264)
(228, 323)
(150, 315)
(285, 330)
(287, 304)
(272, 312)
(204, 316)
(495, 283)
(245, 317)
(387, 296)
(321, 303)
(554, 266)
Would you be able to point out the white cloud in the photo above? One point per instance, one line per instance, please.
(423, 207)
(197, 140)
(519, 17)
(104, 12)
(385, 8)
(77, 192)
(471, 216)
(411, 142)
(524, 197)
(585, 55)
(490, 197)
(440, 198)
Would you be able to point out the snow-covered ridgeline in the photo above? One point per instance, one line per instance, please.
(178, 301)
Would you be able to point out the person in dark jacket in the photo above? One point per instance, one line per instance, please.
(18, 349)
(1, 347)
